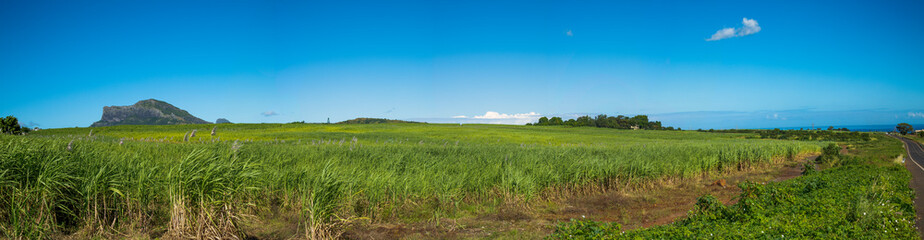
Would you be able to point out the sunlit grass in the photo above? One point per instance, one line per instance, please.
(204, 186)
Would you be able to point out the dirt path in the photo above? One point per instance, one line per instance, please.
(915, 165)
(656, 205)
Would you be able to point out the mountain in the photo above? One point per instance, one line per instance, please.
(222, 120)
(146, 112)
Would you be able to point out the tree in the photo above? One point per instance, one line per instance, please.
(600, 121)
(640, 120)
(584, 121)
(543, 121)
(10, 125)
(921, 134)
(556, 121)
(904, 128)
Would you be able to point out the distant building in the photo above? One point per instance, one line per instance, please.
(634, 127)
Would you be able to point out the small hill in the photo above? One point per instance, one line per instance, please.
(222, 120)
(372, 121)
(146, 112)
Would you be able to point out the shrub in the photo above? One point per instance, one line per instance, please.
(585, 229)
(829, 154)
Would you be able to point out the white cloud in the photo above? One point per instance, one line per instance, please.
(722, 34)
(269, 113)
(750, 27)
(491, 117)
(916, 114)
(569, 33)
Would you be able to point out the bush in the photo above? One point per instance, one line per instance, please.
(829, 154)
(585, 229)
(808, 169)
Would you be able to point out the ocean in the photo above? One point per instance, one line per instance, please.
(858, 128)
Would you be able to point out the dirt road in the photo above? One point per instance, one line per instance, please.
(915, 164)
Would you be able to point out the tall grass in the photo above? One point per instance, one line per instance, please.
(205, 190)
(157, 179)
(321, 196)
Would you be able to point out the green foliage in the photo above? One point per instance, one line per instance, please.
(10, 125)
(556, 121)
(829, 154)
(808, 169)
(584, 229)
(904, 128)
(866, 197)
(801, 135)
(603, 121)
(708, 207)
(61, 180)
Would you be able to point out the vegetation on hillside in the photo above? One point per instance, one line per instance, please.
(801, 135)
(862, 196)
(126, 178)
(604, 121)
(372, 121)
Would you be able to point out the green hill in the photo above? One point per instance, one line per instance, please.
(372, 120)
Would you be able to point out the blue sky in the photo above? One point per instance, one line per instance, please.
(820, 62)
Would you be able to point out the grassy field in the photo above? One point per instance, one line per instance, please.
(861, 195)
(154, 181)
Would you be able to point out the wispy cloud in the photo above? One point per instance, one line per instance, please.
(775, 116)
(497, 115)
(749, 27)
(569, 33)
(916, 114)
(389, 111)
(269, 113)
(489, 117)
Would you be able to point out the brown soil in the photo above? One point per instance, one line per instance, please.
(662, 204)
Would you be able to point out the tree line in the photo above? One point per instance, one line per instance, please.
(604, 121)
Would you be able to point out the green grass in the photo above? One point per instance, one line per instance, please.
(155, 181)
(864, 196)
